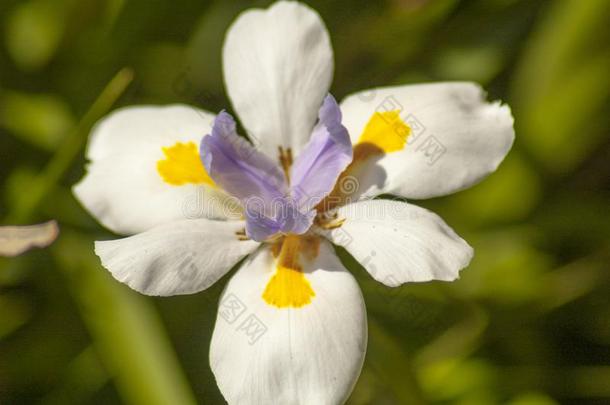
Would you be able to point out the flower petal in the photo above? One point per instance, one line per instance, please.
(237, 167)
(289, 219)
(247, 174)
(454, 138)
(278, 65)
(315, 171)
(398, 242)
(181, 257)
(125, 188)
(261, 354)
(260, 227)
(296, 219)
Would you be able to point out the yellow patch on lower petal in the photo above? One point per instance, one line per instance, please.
(183, 165)
(288, 288)
(386, 131)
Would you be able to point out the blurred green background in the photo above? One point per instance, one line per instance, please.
(527, 323)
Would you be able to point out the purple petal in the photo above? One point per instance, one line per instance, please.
(260, 227)
(237, 167)
(284, 216)
(328, 152)
(295, 221)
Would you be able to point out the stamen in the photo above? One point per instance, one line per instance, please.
(333, 225)
(327, 223)
(241, 235)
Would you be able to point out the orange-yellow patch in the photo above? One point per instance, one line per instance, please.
(182, 165)
(386, 131)
(288, 288)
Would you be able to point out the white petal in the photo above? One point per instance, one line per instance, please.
(261, 354)
(398, 242)
(278, 65)
(456, 138)
(123, 188)
(181, 257)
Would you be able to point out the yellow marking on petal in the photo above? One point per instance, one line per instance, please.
(288, 288)
(183, 165)
(386, 130)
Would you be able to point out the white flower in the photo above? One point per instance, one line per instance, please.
(291, 327)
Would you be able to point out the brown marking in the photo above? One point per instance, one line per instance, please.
(363, 152)
(285, 157)
(241, 235)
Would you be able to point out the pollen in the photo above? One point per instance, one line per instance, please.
(182, 165)
(386, 131)
(288, 287)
